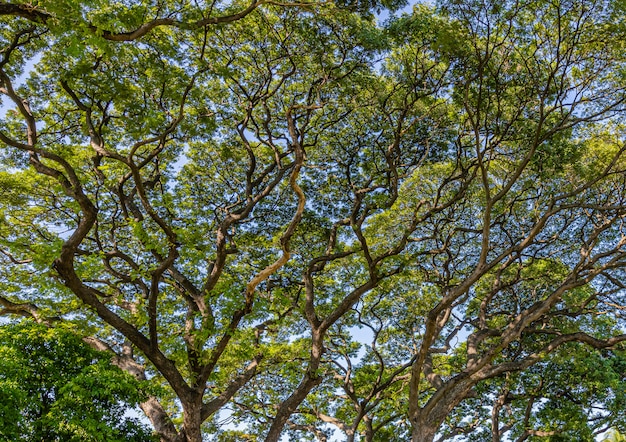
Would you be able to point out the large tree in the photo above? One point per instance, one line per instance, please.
(295, 219)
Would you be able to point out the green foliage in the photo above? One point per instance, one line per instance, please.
(55, 387)
(614, 436)
(291, 217)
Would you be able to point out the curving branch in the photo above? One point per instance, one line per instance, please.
(41, 16)
(25, 10)
(25, 309)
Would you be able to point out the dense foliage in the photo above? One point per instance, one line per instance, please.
(297, 221)
(54, 387)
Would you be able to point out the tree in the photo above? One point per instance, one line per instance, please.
(231, 198)
(614, 436)
(55, 387)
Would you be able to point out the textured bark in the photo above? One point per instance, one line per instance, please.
(425, 421)
(192, 420)
(160, 420)
(423, 432)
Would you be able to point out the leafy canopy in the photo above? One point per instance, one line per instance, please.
(55, 387)
(291, 218)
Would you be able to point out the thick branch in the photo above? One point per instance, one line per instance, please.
(26, 309)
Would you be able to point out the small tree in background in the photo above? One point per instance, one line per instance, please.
(55, 387)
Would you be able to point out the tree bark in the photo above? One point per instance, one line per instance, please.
(192, 421)
(160, 420)
(424, 431)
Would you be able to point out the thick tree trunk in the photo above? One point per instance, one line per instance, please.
(426, 421)
(424, 432)
(192, 420)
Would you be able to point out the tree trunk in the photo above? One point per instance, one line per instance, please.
(310, 381)
(192, 420)
(288, 407)
(425, 421)
(424, 432)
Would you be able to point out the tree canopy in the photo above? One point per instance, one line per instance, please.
(296, 221)
(55, 387)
